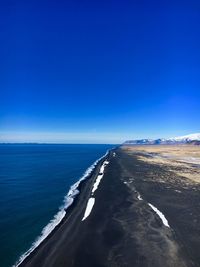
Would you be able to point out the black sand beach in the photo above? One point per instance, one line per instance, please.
(122, 229)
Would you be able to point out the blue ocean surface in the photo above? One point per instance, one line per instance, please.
(34, 179)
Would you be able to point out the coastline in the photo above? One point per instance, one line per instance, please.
(69, 203)
(133, 221)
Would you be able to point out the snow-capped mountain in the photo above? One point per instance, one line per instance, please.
(186, 139)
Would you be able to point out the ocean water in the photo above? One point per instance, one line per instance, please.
(34, 180)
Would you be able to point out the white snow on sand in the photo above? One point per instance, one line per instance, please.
(89, 207)
(139, 197)
(103, 166)
(97, 182)
(91, 200)
(99, 177)
(160, 214)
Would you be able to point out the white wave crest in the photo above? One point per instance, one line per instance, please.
(58, 217)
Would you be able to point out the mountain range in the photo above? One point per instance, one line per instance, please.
(193, 139)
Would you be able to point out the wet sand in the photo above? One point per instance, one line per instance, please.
(122, 228)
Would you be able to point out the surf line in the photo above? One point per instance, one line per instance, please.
(91, 200)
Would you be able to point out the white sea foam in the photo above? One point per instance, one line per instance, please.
(89, 207)
(68, 200)
(160, 214)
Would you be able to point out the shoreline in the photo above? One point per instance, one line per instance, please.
(74, 195)
(131, 220)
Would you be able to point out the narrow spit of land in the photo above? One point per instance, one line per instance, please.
(141, 213)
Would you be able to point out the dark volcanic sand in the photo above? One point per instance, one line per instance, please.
(123, 230)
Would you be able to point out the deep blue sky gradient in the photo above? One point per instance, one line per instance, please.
(99, 70)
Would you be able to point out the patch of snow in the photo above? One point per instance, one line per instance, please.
(139, 197)
(102, 169)
(97, 182)
(190, 160)
(99, 177)
(160, 214)
(178, 191)
(89, 207)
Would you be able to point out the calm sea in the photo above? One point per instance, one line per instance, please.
(34, 179)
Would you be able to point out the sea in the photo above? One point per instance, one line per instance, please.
(35, 189)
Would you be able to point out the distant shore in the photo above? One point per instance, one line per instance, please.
(133, 221)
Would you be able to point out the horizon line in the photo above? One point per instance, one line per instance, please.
(44, 143)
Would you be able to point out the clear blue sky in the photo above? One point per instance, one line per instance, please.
(99, 71)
